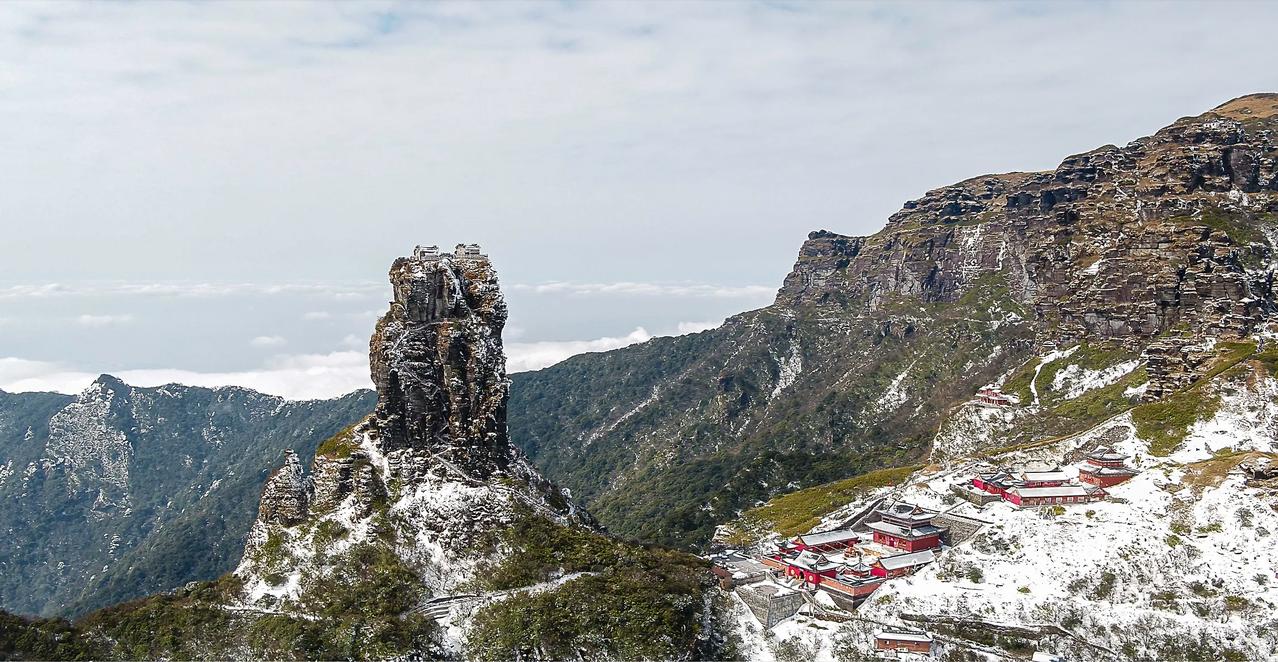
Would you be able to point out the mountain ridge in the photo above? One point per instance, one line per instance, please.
(112, 461)
(420, 531)
(1166, 235)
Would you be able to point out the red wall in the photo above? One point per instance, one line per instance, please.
(1044, 483)
(917, 545)
(892, 644)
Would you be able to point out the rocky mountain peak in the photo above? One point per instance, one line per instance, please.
(436, 359)
(431, 472)
(1168, 232)
(110, 381)
(286, 495)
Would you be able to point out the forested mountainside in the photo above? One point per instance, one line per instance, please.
(123, 491)
(1147, 253)
(421, 532)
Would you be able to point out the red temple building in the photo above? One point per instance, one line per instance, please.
(901, 641)
(902, 564)
(1053, 477)
(1047, 496)
(907, 527)
(810, 567)
(995, 398)
(994, 483)
(1105, 468)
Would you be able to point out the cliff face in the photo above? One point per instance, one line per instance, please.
(1170, 230)
(434, 456)
(1148, 254)
(413, 527)
(436, 358)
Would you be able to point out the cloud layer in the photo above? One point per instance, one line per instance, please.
(302, 376)
(250, 169)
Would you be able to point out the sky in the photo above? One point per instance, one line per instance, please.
(212, 193)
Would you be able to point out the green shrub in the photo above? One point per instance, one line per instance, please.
(1236, 603)
(44, 639)
(1105, 586)
(1214, 527)
(797, 512)
(328, 532)
(1164, 424)
(1201, 590)
(341, 444)
(646, 610)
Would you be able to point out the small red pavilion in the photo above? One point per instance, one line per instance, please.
(993, 397)
(810, 567)
(1105, 468)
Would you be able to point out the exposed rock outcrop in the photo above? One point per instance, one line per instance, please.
(436, 358)
(286, 496)
(872, 340)
(1170, 232)
(432, 467)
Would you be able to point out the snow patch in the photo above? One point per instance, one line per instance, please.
(788, 369)
(1076, 380)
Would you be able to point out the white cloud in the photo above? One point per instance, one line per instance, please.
(19, 375)
(521, 356)
(524, 356)
(696, 327)
(317, 315)
(103, 320)
(339, 291)
(296, 377)
(303, 376)
(649, 289)
(268, 341)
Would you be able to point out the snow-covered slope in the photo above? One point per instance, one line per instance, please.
(1179, 562)
(421, 531)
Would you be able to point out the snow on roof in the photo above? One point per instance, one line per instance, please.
(1104, 453)
(826, 537)
(1055, 474)
(904, 636)
(813, 561)
(904, 510)
(900, 531)
(907, 560)
(1108, 471)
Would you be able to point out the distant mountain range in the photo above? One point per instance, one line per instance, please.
(120, 491)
